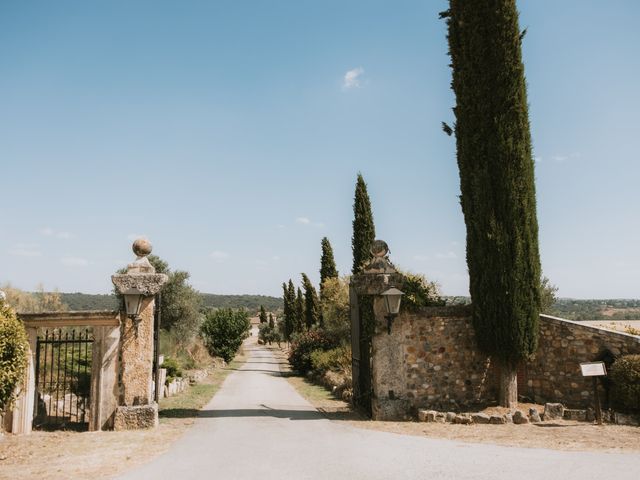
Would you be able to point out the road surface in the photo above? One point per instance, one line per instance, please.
(258, 427)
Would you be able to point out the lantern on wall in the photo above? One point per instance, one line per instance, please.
(392, 298)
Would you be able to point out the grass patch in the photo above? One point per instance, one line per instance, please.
(188, 403)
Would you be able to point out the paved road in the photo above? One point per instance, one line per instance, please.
(258, 427)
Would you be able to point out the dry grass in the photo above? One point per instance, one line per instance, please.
(99, 455)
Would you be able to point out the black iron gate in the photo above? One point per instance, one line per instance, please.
(63, 379)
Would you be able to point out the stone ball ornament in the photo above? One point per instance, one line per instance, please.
(379, 248)
(142, 247)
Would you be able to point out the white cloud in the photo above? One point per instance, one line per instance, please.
(448, 255)
(352, 78)
(50, 232)
(563, 158)
(219, 256)
(74, 261)
(307, 221)
(26, 250)
(275, 258)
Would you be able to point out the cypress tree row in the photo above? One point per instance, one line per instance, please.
(364, 231)
(327, 263)
(311, 304)
(299, 311)
(272, 323)
(496, 181)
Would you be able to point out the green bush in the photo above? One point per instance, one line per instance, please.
(625, 382)
(337, 360)
(13, 354)
(224, 330)
(419, 292)
(173, 369)
(305, 344)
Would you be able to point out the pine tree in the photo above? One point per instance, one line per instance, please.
(311, 303)
(496, 181)
(299, 311)
(364, 230)
(263, 314)
(327, 263)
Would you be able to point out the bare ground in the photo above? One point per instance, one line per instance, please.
(101, 455)
(557, 435)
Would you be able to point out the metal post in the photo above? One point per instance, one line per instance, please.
(597, 401)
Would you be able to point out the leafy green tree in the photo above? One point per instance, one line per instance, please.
(13, 354)
(364, 230)
(272, 323)
(327, 263)
(496, 181)
(548, 295)
(299, 311)
(263, 315)
(288, 315)
(224, 330)
(335, 308)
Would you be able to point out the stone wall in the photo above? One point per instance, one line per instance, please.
(430, 360)
(554, 372)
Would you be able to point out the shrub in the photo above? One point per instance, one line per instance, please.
(336, 360)
(224, 330)
(304, 344)
(173, 369)
(13, 354)
(419, 292)
(625, 380)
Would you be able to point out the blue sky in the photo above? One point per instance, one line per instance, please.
(230, 134)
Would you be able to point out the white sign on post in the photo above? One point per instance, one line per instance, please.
(593, 369)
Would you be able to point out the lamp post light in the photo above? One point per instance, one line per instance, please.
(133, 303)
(392, 298)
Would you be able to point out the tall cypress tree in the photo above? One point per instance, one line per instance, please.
(288, 296)
(496, 181)
(299, 311)
(327, 263)
(311, 303)
(364, 230)
(263, 314)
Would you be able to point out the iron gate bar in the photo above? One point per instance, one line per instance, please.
(69, 379)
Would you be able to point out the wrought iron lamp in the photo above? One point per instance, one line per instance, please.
(392, 298)
(133, 303)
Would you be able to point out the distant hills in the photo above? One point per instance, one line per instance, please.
(86, 301)
(569, 308)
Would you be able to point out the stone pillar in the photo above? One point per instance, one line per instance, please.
(379, 369)
(136, 406)
(22, 413)
(104, 378)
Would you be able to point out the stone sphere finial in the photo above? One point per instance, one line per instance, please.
(141, 247)
(379, 248)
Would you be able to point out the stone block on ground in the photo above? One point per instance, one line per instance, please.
(462, 420)
(534, 416)
(480, 418)
(450, 417)
(136, 418)
(626, 419)
(519, 418)
(575, 414)
(440, 417)
(497, 420)
(553, 411)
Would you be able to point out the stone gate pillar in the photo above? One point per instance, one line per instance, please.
(375, 357)
(138, 286)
